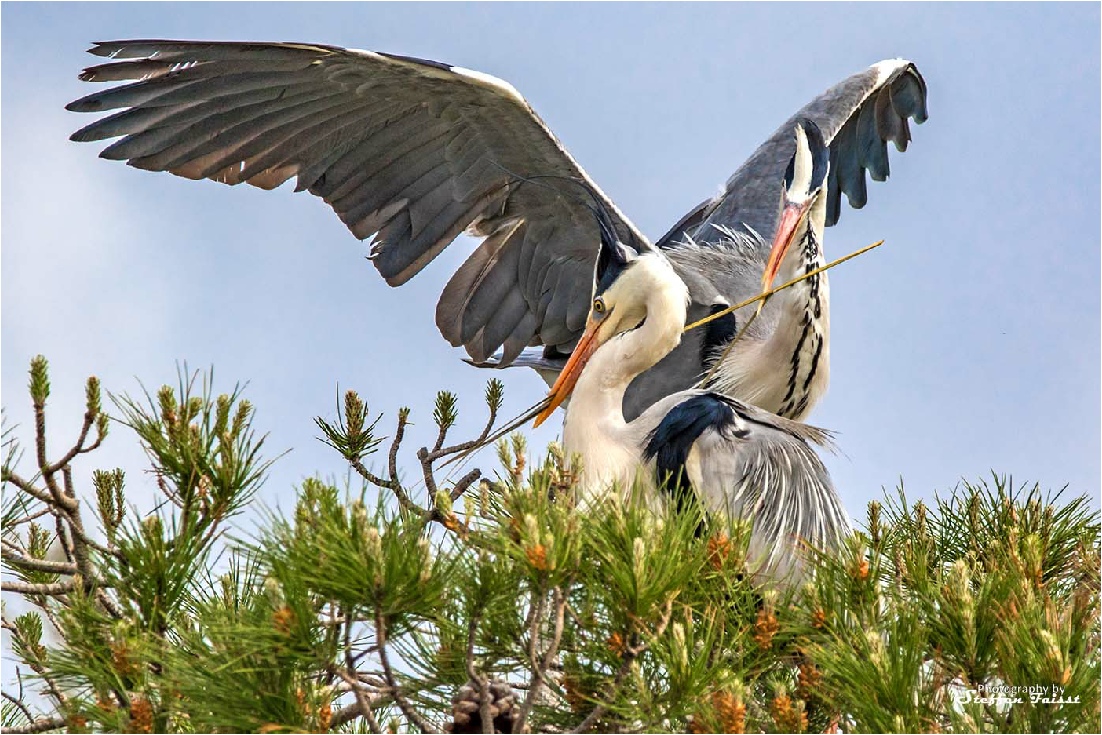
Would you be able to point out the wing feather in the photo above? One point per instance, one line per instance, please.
(855, 116)
(408, 150)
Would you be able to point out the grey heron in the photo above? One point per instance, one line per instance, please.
(416, 152)
(735, 458)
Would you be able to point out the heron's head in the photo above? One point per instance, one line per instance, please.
(805, 184)
(630, 279)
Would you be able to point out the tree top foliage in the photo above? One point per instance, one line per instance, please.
(496, 603)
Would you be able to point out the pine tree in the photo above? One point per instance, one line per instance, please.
(497, 604)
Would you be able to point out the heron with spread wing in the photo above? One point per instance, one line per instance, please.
(695, 445)
(415, 152)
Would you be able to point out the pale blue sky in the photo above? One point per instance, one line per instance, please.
(970, 342)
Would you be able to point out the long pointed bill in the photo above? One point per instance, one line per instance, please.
(791, 216)
(568, 378)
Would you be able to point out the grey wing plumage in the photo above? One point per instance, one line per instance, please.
(858, 117)
(762, 468)
(414, 152)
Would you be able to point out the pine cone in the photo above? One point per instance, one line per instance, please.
(468, 701)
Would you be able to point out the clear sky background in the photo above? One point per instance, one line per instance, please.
(970, 342)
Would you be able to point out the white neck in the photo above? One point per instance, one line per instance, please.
(595, 427)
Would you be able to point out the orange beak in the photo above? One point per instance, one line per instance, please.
(568, 378)
(791, 216)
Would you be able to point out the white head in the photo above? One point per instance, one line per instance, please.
(805, 184)
(633, 284)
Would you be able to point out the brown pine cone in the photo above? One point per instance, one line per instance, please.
(467, 703)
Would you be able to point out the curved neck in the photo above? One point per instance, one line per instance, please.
(617, 362)
(595, 428)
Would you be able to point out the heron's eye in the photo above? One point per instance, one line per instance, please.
(598, 306)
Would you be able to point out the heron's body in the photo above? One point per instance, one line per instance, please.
(782, 361)
(415, 152)
(696, 445)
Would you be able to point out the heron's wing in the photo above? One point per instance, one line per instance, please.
(411, 151)
(749, 463)
(858, 117)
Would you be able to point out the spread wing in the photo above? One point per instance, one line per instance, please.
(413, 152)
(858, 117)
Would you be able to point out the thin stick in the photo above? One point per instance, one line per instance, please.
(762, 298)
(43, 724)
(514, 424)
(54, 589)
(766, 294)
(534, 410)
(411, 714)
(727, 350)
(539, 669)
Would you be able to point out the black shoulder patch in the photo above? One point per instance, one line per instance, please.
(670, 442)
(717, 333)
(609, 268)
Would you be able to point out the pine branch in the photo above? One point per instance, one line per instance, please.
(630, 654)
(539, 669)
(33, 590)
(12, 556)
(43, 724)
(407, 709)
(486, 717)
(18, 701)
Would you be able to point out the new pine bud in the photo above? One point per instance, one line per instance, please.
(425, 553)
(638, 550)
(443, 500)
(682, 650)
(373, 544)
(40, 381)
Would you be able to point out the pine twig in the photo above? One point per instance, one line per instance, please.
(36, 667)
(108, 604)
(630, 654)
(43, 724)
(18, 701)
(465, 482)
(12, 556)
(395, 487)
(539, 670)
(30, 517)
(474, 443)
(399, 435)
(78, 447)
(53, 589)
(516, 423)
(28, 487)
(484, 698)
(361, 708)
(407, 709)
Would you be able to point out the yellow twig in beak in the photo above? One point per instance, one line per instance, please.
(763, 297)
(766, 294)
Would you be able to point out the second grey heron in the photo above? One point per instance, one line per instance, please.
(733, 457)
(416, 152)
